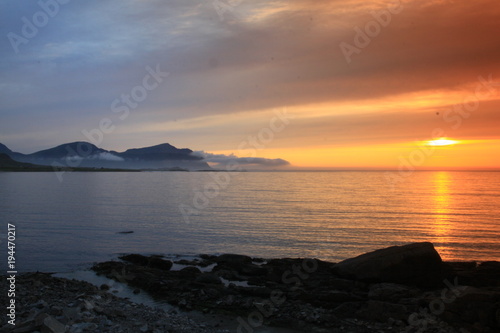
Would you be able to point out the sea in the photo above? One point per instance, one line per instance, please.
(66, 222)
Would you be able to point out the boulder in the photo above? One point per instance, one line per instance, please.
(190, 272)
(52, 325)
(391, 292)
(208, 278)
(233, 259)
(417, 263)
(136, 259)
(158, 263)
(153, 261)
(382, 311)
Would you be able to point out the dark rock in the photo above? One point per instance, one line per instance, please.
(158, 263)
(208, 278)
(347, 310)
(252, 270)
(382, 311)
(475, 306)
(190, 272)
(344, 284)
(227, 274)
(153, 261)
(417, 263)
(208, 257)
(486, 274)
(390, 292)
(136, 259)
(52, 325)
(336, 296)
(233, 259)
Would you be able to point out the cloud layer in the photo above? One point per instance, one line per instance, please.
(221, 161)
(257, 56)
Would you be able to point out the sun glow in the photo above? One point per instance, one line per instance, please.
(442, 142)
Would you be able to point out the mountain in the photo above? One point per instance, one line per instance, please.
(4, 149)
(80, 149)
(7, 162)
(159, 152)
(86, 155)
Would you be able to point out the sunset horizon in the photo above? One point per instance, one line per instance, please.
(351, 84)
(250, 166)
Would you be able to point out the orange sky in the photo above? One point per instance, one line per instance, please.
(363, 83)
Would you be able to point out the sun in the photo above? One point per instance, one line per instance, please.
(442, 142)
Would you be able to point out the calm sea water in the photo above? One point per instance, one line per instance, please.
(62, 226)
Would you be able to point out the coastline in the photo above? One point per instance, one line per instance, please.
(397, 289)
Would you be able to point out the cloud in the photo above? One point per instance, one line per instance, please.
(107, 157)
(101, 156)
(221, 160)
(264, 55)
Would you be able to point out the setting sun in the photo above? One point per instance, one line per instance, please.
(442, 142)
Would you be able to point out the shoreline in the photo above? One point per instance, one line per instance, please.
(397, 289)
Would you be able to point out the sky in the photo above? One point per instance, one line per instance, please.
(301, 84)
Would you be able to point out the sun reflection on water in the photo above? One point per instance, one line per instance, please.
(442, 203)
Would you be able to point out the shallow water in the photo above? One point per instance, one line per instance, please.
(64, 226)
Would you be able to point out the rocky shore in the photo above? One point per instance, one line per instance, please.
(397, 289)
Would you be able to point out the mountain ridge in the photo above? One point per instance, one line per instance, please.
(86, 154)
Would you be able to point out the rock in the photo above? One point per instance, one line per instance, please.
(26, 327)
(336, 296)
(56, 310)
(347, 310)
(72, 313)
(158, 263)
(190, 272)
(52, 325)
(382, 311)
(252, 270)
(82, 327)
(474, 305)
(136, 259)
(208, 278)
(417, 263)
(88, 305)
(153, 261)
(390, 292)
(233, 259)
(40, 318)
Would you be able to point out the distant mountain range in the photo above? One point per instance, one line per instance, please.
(87, 155)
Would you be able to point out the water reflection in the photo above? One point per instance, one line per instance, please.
(442, 203)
